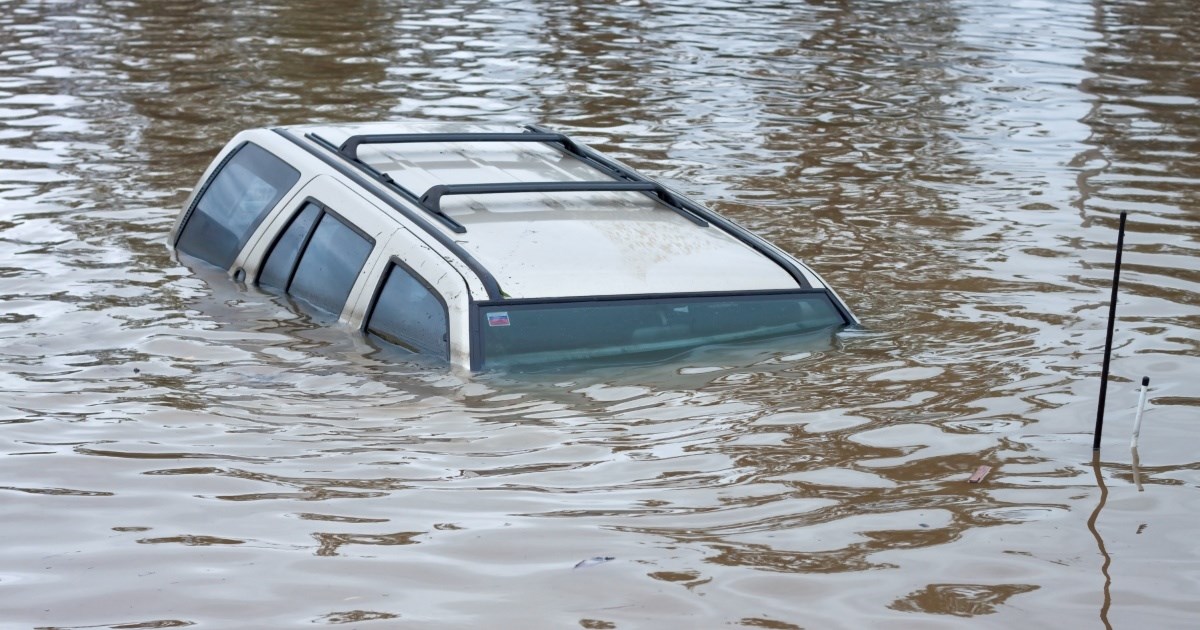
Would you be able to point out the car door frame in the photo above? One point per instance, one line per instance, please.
(343, 202)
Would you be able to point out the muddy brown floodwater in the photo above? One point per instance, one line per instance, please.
(177, 450)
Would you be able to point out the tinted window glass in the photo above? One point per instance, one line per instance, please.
(329, 265)
(234, 203)
(408, 314)
(516, 334)
(277, 271)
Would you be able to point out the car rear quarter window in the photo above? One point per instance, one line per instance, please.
(317, 259)
(409, 314)
(233, 203)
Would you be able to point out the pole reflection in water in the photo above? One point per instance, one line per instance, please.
(1100, 541)
(1137, 472)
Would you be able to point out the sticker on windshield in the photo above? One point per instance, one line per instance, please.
(498, 319)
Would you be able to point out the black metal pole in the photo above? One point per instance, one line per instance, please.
(1112, 318)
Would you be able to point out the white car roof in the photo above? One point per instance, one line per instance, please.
(561, 244)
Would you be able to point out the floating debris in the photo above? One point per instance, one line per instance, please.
(591, 562)
(980, 473)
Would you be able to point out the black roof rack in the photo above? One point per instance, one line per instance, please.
(386, 179)
(433, 197)
(624, 179)
(349, 148)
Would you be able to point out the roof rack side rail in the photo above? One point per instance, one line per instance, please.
(731, 228)
(432, 198)
(389, 182)
(349, 148)
(490, 285)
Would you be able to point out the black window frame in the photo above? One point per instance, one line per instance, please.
(187, 216)
(298, 209)
(476, 339)
(396, 261)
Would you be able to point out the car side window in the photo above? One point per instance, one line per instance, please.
(409, 314)
(233, 203)
(277, 271)
(316, 259)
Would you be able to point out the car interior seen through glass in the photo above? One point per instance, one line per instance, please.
(409, 315)
(317, 259)
(235, 201)
(520, 333)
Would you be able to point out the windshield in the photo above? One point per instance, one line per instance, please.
(527, 332)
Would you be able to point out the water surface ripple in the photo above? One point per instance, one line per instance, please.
(179, 451)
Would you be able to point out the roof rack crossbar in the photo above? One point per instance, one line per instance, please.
(387, 180)
(349, 148)
(349, 151)
(490, 285)
(432, 199)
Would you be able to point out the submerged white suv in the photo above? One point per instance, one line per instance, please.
(491, 248)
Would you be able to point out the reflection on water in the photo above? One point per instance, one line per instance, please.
(178, 449)
(962, 600)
